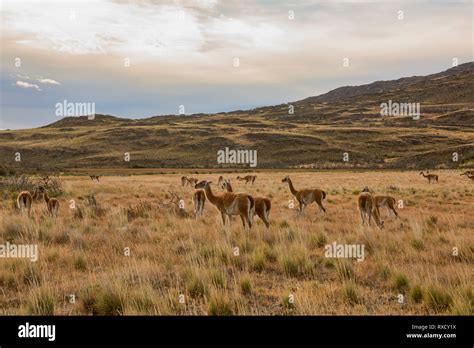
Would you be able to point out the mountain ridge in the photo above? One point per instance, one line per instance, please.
(315, 135)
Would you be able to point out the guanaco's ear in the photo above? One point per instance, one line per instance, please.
(209, 182)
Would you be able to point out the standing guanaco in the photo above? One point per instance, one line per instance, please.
(229, 203)
(25, 199)
(384, 201)
(306, 196)
(430, 177)
(51, 203)
(199, 199)
(263, 205)
(368, 208)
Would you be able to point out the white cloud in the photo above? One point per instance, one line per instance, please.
(23, 84)
(48, 81)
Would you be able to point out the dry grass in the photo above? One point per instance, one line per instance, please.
(181, 266)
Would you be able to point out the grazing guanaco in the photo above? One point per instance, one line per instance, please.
(306, 196)
(199, 199)
(51, 203)
(388, 202)
(430, 177)
(94, 177)
(263, 205)
(229, 203)
(191, 181)
(368, 208)
(247, 179)
(25, 199)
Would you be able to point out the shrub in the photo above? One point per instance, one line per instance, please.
(416, 293)
(217, 279)
(221, 305)
(384, 272)
(437, 299)
(80, 264)
(140, 210)
(295, 263)
(196, 286)
(400, 282)
(109, 303)
(345, 270)
(321, 239)
(288, 301)
(258, 260)
(417, 244)
(41, 302)
(246, 286)
(351, 294)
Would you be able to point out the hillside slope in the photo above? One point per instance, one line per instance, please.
(316, 135)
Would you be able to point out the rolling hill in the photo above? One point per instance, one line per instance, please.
(316, 135)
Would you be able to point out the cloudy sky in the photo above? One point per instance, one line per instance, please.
(144, 58)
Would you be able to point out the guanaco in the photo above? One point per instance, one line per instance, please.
(388, 202)
(94, 177)
(430, 177)
(229, 203)
(221, 181)
(247, 179)
(470, 176)
(383, 201)
(306, 196)
(468, 173)
(263, 205)
(25, 199)
(51, 203)
(368, 208)
(191, 181)
(199, 199)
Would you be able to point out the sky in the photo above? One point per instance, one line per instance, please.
(145, 58)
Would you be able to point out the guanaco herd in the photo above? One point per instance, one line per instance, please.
(230, 203)
(25, 200)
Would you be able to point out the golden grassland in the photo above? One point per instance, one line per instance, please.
(184, 266)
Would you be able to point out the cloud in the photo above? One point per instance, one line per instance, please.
(23, 84)
(183, 51)
(48, 81)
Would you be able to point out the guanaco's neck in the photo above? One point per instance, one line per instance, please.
(46, 197)
(213, 199)
(292, 189)
(35, 194)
